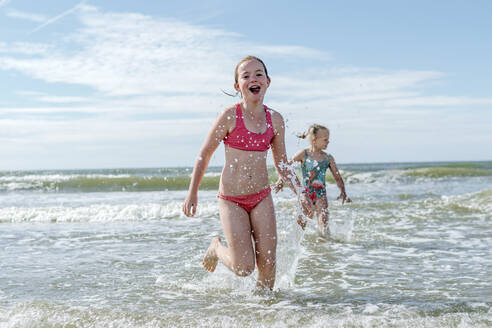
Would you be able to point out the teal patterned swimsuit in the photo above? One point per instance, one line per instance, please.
(314, 175)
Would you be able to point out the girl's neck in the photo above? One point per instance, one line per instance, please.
(315, 150)
(252, 106)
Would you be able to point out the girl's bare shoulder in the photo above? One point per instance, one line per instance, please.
(277, 120)
(275, 114)
(326, 155)
(229, 111)
(227, 116)
(300, 155)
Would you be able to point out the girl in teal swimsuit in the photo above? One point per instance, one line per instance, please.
(314, 163)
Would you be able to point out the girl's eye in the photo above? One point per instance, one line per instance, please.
(245, 76)
(259, 74)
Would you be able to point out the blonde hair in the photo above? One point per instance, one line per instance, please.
(313, 131)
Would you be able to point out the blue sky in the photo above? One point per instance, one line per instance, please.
(98, 84)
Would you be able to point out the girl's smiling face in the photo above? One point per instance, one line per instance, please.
(322, 139)
(252, 80)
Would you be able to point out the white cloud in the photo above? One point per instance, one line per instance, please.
(157, 82)
(96, 130)
(133, 54)
(12, 13)
(4, 2)
(62, 100)
(24, 48)
(137, 55)
(63, 14)
(43, 97)
(432, 101)
(49, 110)
(349, 84)
(295, 51)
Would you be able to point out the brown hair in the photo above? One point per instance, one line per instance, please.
(236, 74)
(245, 59)
(313, 131)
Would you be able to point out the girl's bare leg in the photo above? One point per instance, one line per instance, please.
(265, 235)
(239, 255)
(321, 207)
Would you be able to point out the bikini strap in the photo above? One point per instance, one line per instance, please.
(239, 116)
(268, 116)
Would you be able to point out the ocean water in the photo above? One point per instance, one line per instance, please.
(110, 248)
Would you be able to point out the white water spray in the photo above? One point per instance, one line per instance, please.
(291, 237)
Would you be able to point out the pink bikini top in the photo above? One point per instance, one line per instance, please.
(243, 139)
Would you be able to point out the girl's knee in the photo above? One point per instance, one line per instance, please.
(244, 270)
(244, 266)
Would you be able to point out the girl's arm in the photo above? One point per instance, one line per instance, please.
(298, 157)
(279, 154)
(286, 172)
(212, 141)
(339, 181)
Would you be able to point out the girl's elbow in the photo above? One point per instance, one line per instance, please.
(206, 153)
(200, 159)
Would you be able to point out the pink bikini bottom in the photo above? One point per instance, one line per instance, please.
(247, 202)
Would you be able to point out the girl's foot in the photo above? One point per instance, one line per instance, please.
(210, 259)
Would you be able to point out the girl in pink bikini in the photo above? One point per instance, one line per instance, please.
(246, 210)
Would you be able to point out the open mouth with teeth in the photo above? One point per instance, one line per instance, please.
(255, 89)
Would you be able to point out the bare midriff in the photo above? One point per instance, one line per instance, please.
(245, 172)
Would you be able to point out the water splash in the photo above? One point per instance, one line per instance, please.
(288, 255)
(291, 236)
(341, 232)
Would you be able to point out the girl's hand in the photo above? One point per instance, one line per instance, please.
(307, 204)
(301, 222)
(344, 198)
(278, 186)
(189, 205)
